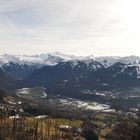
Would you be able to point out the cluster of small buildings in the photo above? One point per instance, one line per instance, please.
(11, 106)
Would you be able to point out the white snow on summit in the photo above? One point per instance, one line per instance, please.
(55, 58)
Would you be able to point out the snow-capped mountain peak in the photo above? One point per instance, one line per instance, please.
(56, 57)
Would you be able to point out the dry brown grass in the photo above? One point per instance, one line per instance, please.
(37, 129)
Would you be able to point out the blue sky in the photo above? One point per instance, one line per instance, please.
(80, 27)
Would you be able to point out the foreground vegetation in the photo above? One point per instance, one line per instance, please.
(44, 129)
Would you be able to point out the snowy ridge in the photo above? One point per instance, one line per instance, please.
(29, 60)
(55, 58)
(110, 60)
(43, 59)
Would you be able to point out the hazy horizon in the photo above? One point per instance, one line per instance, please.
(68, 54)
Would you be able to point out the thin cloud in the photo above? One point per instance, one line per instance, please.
(80, 27)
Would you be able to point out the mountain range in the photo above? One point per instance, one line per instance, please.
(57, 71)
